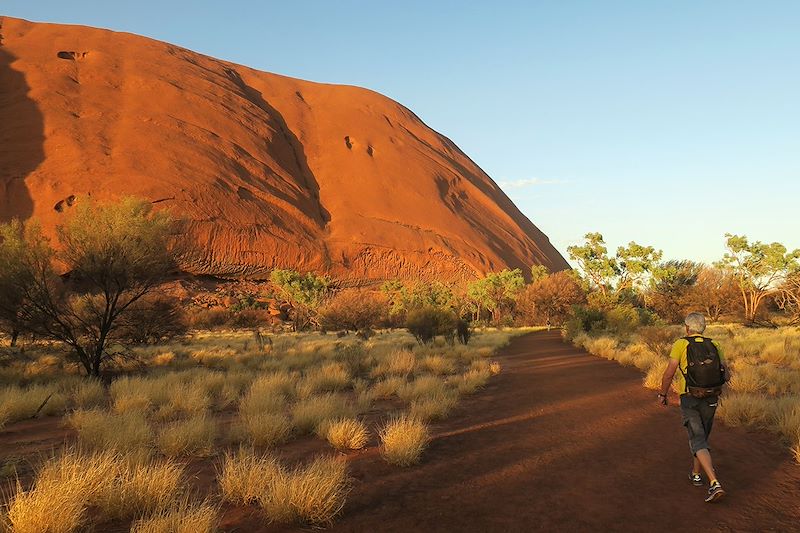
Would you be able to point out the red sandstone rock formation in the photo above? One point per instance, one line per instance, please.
(270, 171)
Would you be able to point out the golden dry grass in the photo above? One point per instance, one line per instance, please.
(471, 380)
(244, 475)
(312, 494)
(386, 388)
(435, 407)
(421, 387)
(329, 377)
(396, 363)
(345, 433)
(403, 439)
(114, 485)
(184, 517)
(263, 429)
(192, 437)
(102, 430)
(308, 413)
(438, 365)
(20, 403)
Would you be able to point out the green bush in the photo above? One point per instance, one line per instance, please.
(425, 323)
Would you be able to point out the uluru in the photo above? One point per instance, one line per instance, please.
(268, 171)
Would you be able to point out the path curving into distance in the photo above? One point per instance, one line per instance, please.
(565, 441)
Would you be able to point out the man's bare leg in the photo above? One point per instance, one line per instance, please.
(703, 458)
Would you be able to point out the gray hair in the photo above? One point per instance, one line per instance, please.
(696, 322)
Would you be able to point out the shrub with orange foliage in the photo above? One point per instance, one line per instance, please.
(354, 310)
(549, 299)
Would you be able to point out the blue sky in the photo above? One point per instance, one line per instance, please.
(667, 123)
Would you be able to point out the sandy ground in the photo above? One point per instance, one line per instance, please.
(559, 441)
(564, 441)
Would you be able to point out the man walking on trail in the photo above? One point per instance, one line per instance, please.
(702, 374)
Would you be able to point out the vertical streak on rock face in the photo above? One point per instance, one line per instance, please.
(21, 138)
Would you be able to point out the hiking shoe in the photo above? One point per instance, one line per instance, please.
(715, 492)
(696, 479)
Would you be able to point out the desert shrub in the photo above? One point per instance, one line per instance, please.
(584, 319)
(185, 517)
(153, 320)
(194, 437)
(248, 318)
(425, 323)
(658, 340)
(403, 440)
(200, 318)
(117, 255)
(345, 433)
(263, 428)
(549, 299)
(354, 310)
(355, 359)
(622, 320)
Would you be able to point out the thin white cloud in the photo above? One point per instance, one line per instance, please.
(527, 182)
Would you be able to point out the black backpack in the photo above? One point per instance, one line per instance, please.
(705, 374)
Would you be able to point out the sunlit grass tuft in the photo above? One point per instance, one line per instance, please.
(403, 440)
(345, 433)
(192, 437)
(101, 430)
(184, 517)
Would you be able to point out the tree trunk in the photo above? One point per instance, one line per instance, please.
(14, 335)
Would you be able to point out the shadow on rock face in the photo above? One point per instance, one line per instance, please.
(21, 139)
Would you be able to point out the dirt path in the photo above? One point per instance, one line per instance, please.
(564, 441)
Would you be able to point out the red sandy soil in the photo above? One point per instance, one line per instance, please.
(565, 441)
(559, 441)
(269, 170)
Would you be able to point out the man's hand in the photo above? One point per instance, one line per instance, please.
(662, 399)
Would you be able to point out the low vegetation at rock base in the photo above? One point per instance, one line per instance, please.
(220, 400)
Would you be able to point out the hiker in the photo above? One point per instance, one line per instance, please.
(702, 374)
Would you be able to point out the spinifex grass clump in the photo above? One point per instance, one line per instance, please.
(263, 429)
(345, 433)
(403, 440)
(193, 437)
(19, 403)
(312, 494)
(101, 430)
(184, 517)
(116, 486)
(309, 413)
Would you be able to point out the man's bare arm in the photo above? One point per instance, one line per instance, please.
(669, 372)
